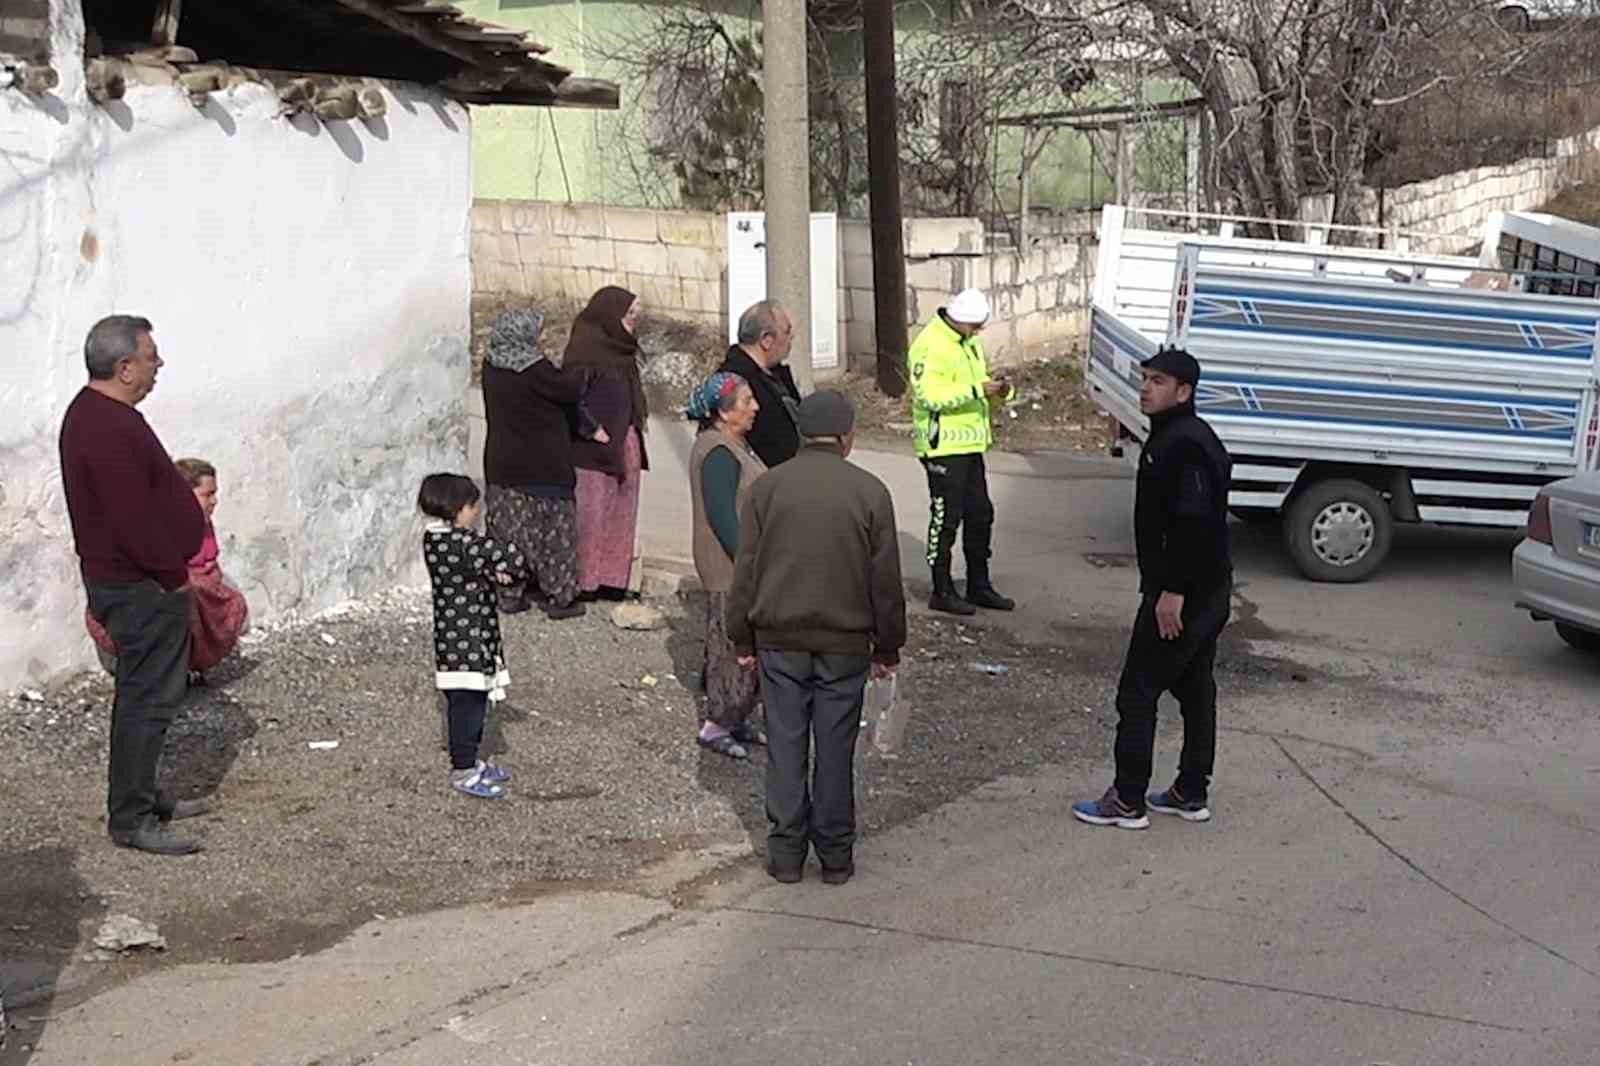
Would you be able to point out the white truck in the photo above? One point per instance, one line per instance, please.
(1357, 388)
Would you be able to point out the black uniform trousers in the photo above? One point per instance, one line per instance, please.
(811, 697)
(150, 627)
(1182, 667)
(958, 497)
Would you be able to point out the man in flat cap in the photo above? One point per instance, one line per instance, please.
(817, 598)
(1185, 584)
(951, 392)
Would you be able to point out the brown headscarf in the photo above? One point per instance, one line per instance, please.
(599, 341)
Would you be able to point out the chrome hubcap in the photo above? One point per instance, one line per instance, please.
(1342, 533)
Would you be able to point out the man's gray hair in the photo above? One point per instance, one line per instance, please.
(758, 320)
(113, 339)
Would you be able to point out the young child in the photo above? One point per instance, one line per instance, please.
(218, 613)
(464, 566)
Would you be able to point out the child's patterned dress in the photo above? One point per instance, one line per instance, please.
(466, 625)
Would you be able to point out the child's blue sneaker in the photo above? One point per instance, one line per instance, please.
(1110, 810)
(472, 783)
(492, 773)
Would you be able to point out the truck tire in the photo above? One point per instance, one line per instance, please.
(1582, 639)
(1339, 530)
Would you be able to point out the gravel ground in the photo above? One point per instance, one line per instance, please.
(306, 844)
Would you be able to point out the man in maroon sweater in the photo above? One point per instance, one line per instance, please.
(136, 523)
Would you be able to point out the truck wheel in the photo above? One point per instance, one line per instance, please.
(1339, 530)
(1582, 639)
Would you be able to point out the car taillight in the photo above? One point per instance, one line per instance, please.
(1539, 520)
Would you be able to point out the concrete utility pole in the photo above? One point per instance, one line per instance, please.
(787, 176)
(883, 182)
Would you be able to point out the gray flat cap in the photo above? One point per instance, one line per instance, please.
(826, 413)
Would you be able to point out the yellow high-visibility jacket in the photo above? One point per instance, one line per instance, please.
(949, 411)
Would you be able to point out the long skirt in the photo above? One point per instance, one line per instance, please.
(545, 530)
(218, 615)
(608, 519)
(731, 691)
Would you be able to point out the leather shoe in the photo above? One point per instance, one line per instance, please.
(950, 603)
(785, 875)
(156, 841)
(838, 875)
(571, 610)
(184, 809)
(986, 597)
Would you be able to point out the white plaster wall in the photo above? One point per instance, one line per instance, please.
(309, 285)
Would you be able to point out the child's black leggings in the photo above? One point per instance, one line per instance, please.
(467, 711)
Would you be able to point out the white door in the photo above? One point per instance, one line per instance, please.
(747, 278)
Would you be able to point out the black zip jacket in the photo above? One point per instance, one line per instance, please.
(1181, 506)
(774, 437)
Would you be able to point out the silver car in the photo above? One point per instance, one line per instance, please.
(1556, 569)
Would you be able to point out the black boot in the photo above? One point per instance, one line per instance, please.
(981, 592)
(944, 596)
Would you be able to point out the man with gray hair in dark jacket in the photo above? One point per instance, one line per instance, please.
(765, 333)
(817, 598)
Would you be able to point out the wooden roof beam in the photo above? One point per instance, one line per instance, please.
(416, 30)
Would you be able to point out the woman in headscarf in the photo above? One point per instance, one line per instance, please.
(532, 407)
(722, 467)
(604, 347)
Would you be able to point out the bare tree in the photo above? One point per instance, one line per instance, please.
(1293, 88)
(702, 106)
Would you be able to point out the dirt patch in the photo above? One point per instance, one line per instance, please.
(307, 844)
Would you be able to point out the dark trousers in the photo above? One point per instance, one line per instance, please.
(1182, 667)
(811, 696)
(958, 498)
(466, 710)
(150, 627)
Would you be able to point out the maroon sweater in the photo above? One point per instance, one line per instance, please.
(133, 515)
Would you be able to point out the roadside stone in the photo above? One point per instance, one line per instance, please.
(637, 616)
(123, 932)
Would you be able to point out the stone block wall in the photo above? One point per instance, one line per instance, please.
(677, 262)
(1455, 206)
(674, 260)
(1040, 299)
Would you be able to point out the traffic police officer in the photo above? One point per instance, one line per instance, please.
(1185, 584)
(950, 394)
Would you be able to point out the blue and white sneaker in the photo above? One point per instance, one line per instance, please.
(492, 773)
(1110, 810)
(472, 783)
(1169, 802)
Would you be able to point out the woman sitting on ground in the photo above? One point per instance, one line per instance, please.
(218, 613)
(722, 467)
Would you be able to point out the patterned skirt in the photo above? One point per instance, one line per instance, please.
(731, 691)
(546, 531)
(608, 519)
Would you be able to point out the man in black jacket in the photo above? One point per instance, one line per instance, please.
(1185, 584)
(817, 598)
(765, 333)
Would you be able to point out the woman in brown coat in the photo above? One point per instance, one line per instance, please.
(603, 346)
